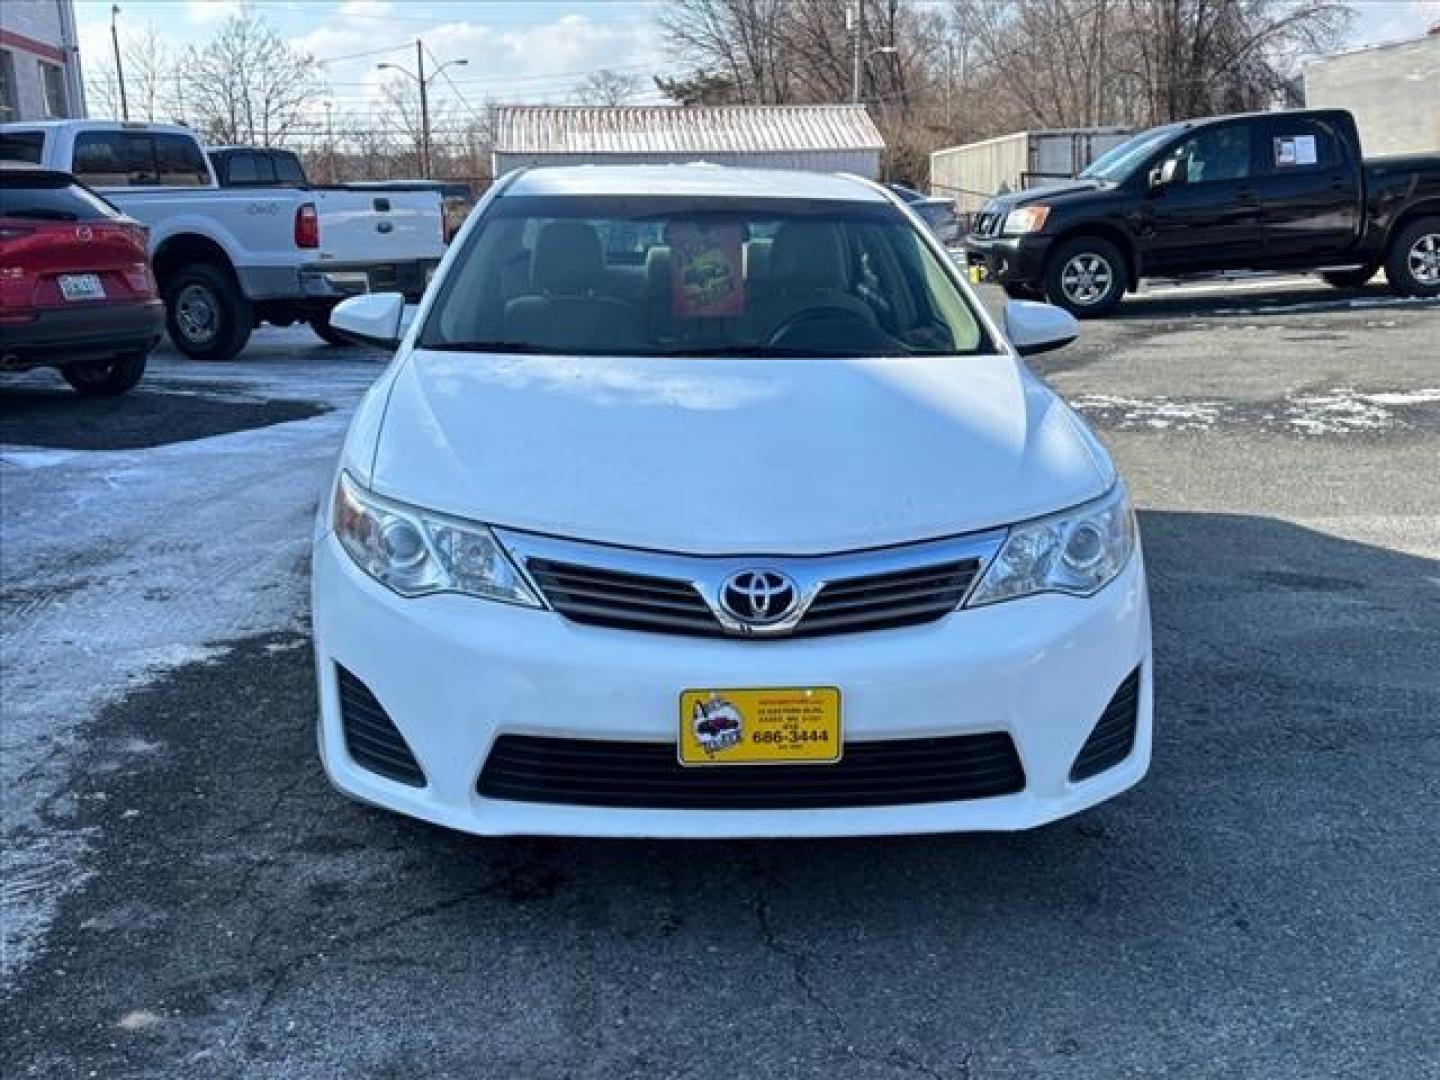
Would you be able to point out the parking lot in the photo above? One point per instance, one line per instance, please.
(186, 896)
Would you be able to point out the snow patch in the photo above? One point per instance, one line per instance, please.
(1349, 410)
(1156, 413)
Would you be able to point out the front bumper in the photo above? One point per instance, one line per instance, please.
(1009, 260)
(59, 336)
(323, 282)
(454, 673)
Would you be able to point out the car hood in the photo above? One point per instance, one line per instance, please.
(732, 455)
(1048, 193)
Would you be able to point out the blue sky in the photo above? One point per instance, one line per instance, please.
(517, 50)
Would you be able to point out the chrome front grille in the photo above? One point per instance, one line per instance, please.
(878, 601)
(632, 601)
(989, 222)
(627, 589)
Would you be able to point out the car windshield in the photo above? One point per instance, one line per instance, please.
(691, 276)
(1119, 162)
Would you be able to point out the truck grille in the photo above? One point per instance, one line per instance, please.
(591, 772)
(988, 223)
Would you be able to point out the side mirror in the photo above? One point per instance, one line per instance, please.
(1170, 171)
(374, 319)
(1036, 328)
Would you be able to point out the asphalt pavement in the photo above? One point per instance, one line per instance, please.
(186, 896)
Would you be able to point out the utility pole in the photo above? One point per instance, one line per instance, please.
(855, 17)
(330, 142)
(424, 110)
(424, 85)
(949, 86)
(119, 69)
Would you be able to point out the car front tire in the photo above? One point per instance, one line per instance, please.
(206, 314)
(1086, 276)
(1412, 264)
(105, 378)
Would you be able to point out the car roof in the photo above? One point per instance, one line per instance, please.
(698, 179)
(94, 125)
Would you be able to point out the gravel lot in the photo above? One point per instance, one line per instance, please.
(185, 896)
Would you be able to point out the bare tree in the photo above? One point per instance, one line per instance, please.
(248, 84)
(102, 90)
(1077, 63)
(152, 77)
(607, 87)
(1193, 57)
(402, 98)
(741, 39)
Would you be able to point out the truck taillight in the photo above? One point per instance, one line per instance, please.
(307, 226)
(139, 234)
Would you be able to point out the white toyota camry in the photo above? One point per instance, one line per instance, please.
(706, 502)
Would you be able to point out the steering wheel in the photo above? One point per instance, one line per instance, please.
(813, 315)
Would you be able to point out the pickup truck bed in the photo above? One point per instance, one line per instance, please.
(228, 258)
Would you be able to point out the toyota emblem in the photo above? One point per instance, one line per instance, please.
(759, 597)
(84, 232)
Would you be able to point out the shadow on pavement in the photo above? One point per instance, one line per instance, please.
(1269, 885)
(55, 417)
(1251, 301)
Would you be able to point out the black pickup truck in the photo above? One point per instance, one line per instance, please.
(1282, 191)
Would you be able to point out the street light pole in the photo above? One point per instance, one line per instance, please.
(424, 84)
(424, 111)
(856, 16)
(119, 68)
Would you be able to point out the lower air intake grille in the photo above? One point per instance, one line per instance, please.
(1114, 736)
(589, 772)
(371, 737)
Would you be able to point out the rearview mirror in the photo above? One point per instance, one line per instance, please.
(1036, 328)
(374, 319)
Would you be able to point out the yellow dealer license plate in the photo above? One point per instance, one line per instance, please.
(760, 727)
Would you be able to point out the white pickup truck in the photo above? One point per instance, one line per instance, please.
(229, 258)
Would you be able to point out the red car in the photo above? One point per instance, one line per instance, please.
(76, 291)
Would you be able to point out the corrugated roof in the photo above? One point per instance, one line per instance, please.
(696, 129)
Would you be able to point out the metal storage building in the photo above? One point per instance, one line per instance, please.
(1393, 90)
(818, 138)
(971, 174)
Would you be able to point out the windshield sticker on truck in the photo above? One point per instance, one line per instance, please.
(1295, 150)
(705, 277)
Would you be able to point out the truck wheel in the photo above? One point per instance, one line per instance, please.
(1086, 276)
(1412, 264)
(1349, 279)
(207, 315)
(320, 323)
(105, 378)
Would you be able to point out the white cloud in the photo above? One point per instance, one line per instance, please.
(211, 11)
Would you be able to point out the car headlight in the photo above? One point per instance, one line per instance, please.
(415, 552)
(1077, 551)
(1026, 219)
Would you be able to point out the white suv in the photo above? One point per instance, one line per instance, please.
(703, 502)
